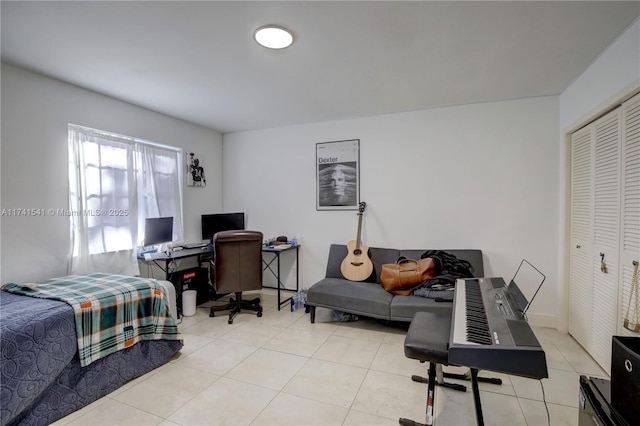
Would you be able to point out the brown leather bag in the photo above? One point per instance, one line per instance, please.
(401, 277)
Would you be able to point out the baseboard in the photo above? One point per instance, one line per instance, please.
(549, 321)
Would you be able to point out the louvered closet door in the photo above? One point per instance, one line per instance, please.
(581, 275)
(630, 203)
(606, 228)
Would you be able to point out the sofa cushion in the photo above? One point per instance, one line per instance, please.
(337, 253)
(360, 298)
(380, 256)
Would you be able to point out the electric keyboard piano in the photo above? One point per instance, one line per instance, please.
(489, 329)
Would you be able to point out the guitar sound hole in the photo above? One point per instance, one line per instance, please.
(357, 252)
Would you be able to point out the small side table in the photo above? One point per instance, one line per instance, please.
(276, 257)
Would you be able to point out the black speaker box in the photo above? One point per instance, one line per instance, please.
(625, 377)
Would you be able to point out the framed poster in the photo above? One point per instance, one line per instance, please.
(338, 175)
(195, 170)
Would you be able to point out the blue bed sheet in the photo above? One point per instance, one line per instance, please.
(41, 376)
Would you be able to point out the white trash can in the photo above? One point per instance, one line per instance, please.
(189, 303)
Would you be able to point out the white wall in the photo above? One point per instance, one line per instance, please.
(477, 176)
(615, 74)
(35, 114)
(613, 77)
(489, 176)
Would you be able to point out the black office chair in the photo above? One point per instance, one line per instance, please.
(237, 267)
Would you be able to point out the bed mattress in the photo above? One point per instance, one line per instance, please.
(40, 371)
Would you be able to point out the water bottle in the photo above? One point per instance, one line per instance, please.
(302, 299)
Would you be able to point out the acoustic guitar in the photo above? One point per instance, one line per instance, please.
(357, 266)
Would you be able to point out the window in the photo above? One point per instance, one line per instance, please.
(115, 182)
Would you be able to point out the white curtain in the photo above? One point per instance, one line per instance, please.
(114, 183)
(159, 187)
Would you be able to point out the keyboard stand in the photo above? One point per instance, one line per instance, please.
(427, 340)
(476, 397)
(467, 377)
(440, 375)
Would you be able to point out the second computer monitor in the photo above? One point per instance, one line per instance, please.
(214, 223)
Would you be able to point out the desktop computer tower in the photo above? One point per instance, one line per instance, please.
(192, 279)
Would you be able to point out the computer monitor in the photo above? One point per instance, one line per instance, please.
(158, 230)
(214, 223)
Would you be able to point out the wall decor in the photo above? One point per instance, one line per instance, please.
(195, 170)
(338, 175)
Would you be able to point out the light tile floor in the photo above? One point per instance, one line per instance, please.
(282, 370)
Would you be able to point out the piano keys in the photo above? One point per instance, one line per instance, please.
(489, 329)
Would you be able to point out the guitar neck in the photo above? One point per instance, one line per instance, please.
(359, 231)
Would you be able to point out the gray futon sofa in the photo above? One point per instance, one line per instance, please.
(368, 298)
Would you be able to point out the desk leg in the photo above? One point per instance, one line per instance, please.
(276, 274)
(278, 279)
(297, 269)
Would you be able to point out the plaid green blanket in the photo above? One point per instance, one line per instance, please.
(112, 312)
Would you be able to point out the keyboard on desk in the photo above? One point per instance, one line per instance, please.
(489, 331)
(155, 256)
(195, 245)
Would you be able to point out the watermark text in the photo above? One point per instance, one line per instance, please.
(28, 212)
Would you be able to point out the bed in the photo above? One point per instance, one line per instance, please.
(41, 369)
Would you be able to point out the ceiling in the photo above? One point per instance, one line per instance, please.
(198, 61)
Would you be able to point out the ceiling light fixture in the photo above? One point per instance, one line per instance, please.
(273, 37)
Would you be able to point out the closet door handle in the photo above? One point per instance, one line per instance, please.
(578, 246)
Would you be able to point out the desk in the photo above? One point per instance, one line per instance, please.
(172, 271)
(276, 257)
